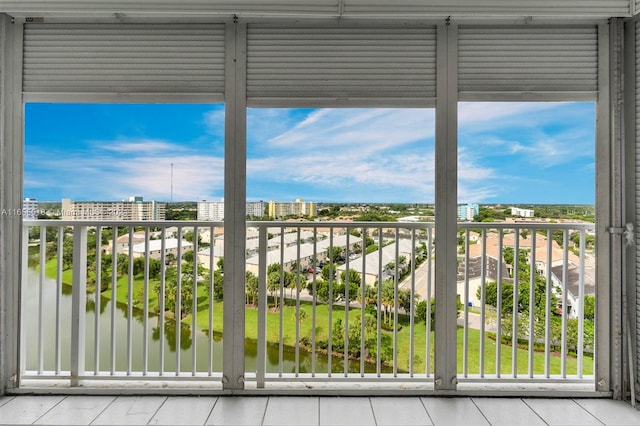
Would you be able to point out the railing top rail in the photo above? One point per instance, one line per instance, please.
(127, 223)
(327, 224)
(310, 224)
(578, 226)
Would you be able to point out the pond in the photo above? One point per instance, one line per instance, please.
(118, 350)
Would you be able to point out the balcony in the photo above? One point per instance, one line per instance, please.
(329, 308)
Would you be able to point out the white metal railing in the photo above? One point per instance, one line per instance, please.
(545, 340)
(137, 335)
(369, 250)
(343, 302)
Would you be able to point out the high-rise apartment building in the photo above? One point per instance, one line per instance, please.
(299, 207)
(211, 210)
(214, 210)
(134, 209)
(468, 211)
(30, 208)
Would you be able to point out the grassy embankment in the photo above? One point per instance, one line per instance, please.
(322, 327)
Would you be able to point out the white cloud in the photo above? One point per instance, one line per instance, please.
(214, 119)
(357, 129)
(482, 115)
(124, 146)
(104, 173)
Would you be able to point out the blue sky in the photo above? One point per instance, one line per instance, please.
(508, 153)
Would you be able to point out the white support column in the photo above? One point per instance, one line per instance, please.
(630, 211)
(617, 219)
(609, 211)
(11, 160)
(235, 170)
(445, 361)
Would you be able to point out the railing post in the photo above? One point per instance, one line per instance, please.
(78, 301)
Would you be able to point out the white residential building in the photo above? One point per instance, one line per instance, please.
(134, 209)
(155, 248)
(211, 210)
(280, 210)
(468, 211)
(214, 210)
(30, 208)
(515, 211)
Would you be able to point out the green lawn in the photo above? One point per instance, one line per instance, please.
(323, 325)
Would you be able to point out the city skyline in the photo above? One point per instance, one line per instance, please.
(539, 153)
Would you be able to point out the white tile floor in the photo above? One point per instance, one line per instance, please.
(180, 410)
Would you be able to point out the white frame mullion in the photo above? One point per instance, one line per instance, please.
(631, 207)
(11, 171)
(235, 188)
(446, 190)
(605, 357)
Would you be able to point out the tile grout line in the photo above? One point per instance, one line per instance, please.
(211, 411)
(156, 412)
(104, 409)
(264, 415)
(9, 399)
(589, 412)
(373, 412)
(426, 411)
(534, 411)
(481, 412)
(46, 412)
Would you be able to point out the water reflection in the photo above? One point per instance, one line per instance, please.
(170, 335)
(113, 342)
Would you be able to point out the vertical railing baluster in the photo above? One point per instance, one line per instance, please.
(98, 302)
(396, 302)
(314, 300)
(483, 299)
(547, 316)
(379, 331)
(178, 307)
(145, 295)
(130, 303)
(363, 302)
(281, 313)
(194, 301)
(465, 330)
(412, 297)
(161, 297)
(331, 273)
(43, 249)
(78, 305)
(532, 301)
(499, 305)
(114, 297)
(212, 246)
(261, 362)
(346, 308)
(298, 271)
(565, 302)
(59, 268)
(516, 302)
(581, 306)
(428, 297)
